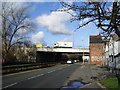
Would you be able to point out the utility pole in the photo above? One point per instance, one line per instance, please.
(83, 53)
(73, 36)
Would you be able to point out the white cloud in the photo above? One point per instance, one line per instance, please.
(55, 22)
(38, 38)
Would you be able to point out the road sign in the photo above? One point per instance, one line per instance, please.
(39, 45)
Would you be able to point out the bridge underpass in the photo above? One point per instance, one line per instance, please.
(45, 55)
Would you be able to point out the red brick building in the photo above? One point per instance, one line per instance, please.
(96, 50)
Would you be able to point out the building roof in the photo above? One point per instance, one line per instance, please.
(96, 39)
(105, 40)
(115, 37)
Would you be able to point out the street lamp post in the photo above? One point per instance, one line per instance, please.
(83, 53)
(73, 44)
(73, 36)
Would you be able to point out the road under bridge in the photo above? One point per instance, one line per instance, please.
(45, 55)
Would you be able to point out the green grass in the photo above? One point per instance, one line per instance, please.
(110, 83)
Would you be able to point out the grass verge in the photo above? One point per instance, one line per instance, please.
(18, 68)
(110, 82)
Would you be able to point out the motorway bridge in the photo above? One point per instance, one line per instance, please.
(45, 54)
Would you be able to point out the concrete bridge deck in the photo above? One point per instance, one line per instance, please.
(67, 50)
(61, 54)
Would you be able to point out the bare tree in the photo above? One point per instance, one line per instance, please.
(14, 20)
(105, 15)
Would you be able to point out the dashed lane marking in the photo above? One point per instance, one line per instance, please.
(47, 72)
(54, 70)
(24, 72)
(9, 85)
(50, 72)
(21, 72)
(35, 76)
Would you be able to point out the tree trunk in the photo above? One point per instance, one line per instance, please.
(118, 78)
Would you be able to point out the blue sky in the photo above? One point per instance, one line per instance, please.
(56, 26)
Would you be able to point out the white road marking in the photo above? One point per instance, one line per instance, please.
(35, 76)
(64, 67)
(60, 68)
(31, 77)
(9, 85)
(41, 74)
(50, 72)
(38, 75)
(54, 70)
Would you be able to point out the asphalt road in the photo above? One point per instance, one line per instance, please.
(52, 77)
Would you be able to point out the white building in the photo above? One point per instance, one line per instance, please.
(112, 52)
(64, 44)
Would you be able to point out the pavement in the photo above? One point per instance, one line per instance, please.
(88, 74)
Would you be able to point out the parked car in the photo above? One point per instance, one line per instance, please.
(78, 60)
(75, 61)
(70, 61)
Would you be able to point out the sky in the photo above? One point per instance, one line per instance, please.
(53, 27)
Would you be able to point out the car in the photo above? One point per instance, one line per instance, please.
(75, 61)
(70, 61)
(78, 60)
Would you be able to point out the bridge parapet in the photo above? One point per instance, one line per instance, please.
(44, 49)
